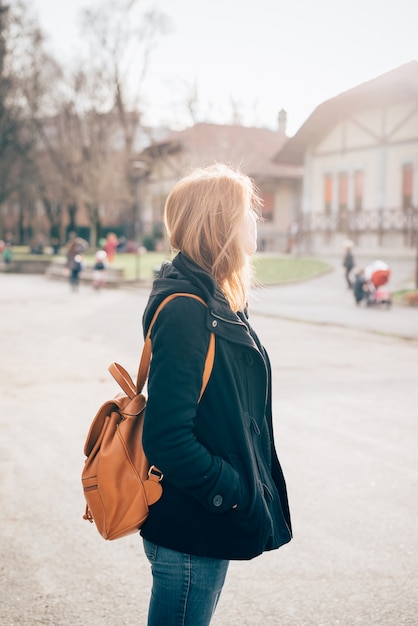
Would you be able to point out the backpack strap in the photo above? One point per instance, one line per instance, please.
(123, 379)
(146, 351)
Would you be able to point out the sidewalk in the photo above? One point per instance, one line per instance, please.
(345, 418)
(327, 301)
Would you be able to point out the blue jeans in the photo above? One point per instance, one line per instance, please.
(185, 588)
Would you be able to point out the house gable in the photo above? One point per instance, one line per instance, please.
(371, 128)
(398, 87)
(360, 156)
(402, 123)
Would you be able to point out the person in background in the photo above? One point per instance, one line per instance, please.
(110, 246)
(99, 270)
(74, 246)
(7, 253)
(348, 262)
(75, 267)
(55, 245)
(6, 248)
(224, 493)
(360, 289)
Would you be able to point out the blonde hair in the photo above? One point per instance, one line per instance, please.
(204, 216)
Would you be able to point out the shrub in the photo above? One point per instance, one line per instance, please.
(410, 298)
(148, 241)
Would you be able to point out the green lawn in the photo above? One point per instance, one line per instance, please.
(270, 269)
(273, 270)
(140, 265)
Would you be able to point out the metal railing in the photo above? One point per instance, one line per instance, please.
(379, 221)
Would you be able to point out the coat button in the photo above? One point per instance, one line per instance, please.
(217, 500)
(214, 323)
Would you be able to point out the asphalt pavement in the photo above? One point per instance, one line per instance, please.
(345, 401)
(326, 300)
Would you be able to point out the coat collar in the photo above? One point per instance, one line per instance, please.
(184, 275)
(209, 290)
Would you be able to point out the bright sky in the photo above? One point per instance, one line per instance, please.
(262, 54)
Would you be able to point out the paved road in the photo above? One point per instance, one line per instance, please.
(326, 300)
(346, 420)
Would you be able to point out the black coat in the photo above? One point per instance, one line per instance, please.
(220, 452)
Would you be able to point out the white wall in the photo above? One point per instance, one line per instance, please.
(378, 142)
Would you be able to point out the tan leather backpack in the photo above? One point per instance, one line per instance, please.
(118, 482)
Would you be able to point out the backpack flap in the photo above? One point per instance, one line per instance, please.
(128, 408)
(97, 426)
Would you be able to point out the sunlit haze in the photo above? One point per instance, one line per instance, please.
(260, 55)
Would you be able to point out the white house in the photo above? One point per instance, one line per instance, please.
(359, 151)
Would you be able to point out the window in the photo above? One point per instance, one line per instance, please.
(407, 185)
(327, 193)
(342, 190)
(268, 206)
(358, 189)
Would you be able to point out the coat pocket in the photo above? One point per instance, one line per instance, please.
(245, 495)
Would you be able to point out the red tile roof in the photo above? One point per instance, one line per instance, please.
(249, 148)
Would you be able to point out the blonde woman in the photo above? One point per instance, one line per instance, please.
(224, 495)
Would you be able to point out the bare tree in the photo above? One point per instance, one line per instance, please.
(81, 124)
(72, 138)
(16, 141)
(122, 39)
(34, 75)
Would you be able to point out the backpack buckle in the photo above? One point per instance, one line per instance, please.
(155, 474)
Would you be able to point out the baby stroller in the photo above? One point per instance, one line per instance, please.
(370, 285)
